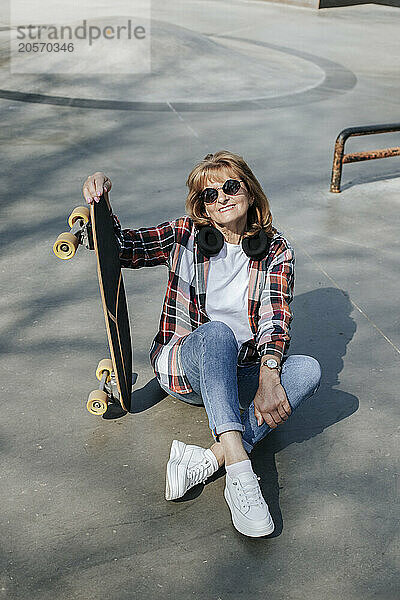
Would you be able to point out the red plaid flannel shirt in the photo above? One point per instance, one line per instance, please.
(174, 244)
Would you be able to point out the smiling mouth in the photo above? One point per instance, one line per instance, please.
(223, 209)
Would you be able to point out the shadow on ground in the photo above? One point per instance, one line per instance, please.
(322, 328)
(387, 176)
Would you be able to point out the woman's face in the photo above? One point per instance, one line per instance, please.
(228, 211)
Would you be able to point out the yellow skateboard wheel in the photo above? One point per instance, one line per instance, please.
(65, 245)
(104, 366)
(80, 212)
(97, 402)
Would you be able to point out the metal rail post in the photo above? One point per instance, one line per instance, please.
(340, 157)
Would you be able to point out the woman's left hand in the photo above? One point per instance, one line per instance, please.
(270, 403)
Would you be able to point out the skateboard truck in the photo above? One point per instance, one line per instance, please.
(107, 392)
(114, 408)
(80, 233)
(106, 398)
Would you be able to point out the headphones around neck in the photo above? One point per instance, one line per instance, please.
(211, 241)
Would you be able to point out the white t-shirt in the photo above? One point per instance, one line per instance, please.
(227, 290)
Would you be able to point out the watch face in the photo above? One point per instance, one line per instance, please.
(272, 363)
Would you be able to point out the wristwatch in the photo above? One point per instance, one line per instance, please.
(271, 363)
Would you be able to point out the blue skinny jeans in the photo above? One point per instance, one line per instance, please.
(209, 358)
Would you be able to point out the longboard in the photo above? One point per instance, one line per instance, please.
(95, 229)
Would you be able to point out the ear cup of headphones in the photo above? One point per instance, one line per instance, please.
(256, 246)
(210, 240)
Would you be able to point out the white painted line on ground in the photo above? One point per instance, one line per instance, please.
(230, 31)
(183, 121)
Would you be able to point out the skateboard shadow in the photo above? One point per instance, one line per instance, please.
(147, 396)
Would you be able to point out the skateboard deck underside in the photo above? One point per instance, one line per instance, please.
(113, 297)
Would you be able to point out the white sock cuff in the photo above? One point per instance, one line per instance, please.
(244, 466)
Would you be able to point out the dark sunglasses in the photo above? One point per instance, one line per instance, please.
(230, 188)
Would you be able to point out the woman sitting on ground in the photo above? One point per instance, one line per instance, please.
(224, 328)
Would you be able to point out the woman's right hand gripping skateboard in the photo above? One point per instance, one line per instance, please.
(95, 185)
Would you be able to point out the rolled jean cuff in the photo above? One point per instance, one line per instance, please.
(248, 447)
(233, 426)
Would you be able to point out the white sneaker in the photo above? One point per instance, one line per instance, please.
(250, 514)
(187, 466)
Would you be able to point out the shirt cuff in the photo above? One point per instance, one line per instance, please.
(274, 348)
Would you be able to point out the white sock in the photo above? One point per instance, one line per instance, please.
(244, 466)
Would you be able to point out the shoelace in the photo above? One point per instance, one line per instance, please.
(199, 473)
(250, 494)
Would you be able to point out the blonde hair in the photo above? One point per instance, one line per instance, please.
(258, 214)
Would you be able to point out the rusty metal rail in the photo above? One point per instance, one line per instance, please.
(340, 157)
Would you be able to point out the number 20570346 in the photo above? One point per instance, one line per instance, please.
(45, 47)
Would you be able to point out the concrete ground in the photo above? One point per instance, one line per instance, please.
(83, 514)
